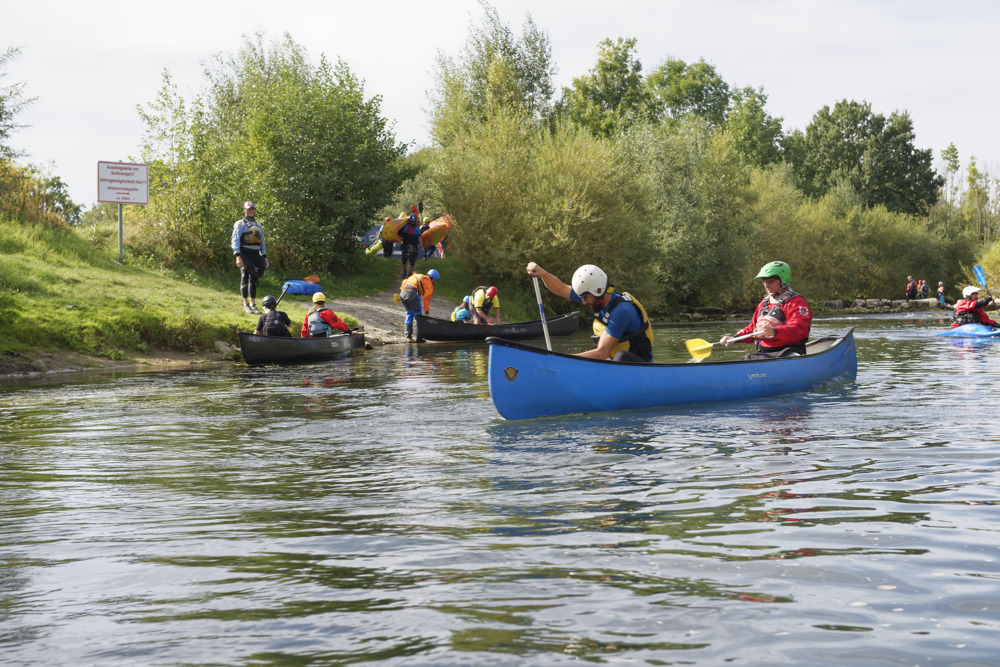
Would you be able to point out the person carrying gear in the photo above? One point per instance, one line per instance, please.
(970, 309)
(321, 321)
(251, 254)
(782, 319)
(416, 290)
(464, 307)
(622, 329)
(410, 233)
(484, 300)
(273, 322)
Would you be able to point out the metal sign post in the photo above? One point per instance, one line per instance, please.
(122, 183)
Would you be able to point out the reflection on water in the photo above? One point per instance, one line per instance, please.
(377, 509)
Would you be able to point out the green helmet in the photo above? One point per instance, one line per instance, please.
(776, 269)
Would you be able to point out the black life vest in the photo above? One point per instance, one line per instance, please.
(275, 323)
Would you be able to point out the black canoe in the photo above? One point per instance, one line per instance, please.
(289, 350)
(432, 328)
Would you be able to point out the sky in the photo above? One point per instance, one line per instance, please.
(90, 64)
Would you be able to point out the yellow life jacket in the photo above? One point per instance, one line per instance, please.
(638, 342)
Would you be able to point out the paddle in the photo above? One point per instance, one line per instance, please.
(701, 349)
(282, 296)
(981, 279)
(541, 311)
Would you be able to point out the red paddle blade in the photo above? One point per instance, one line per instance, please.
(311, 279)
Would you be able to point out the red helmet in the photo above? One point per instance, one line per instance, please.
(491, 292)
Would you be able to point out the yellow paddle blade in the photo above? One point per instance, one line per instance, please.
(311, 279)
(698, 348)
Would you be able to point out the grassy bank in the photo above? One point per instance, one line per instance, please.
(62, 290)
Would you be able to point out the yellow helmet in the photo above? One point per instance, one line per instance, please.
(319, 296)
(426, 219)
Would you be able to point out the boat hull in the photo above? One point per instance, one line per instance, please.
(433, 328)
(289, 350)
(971, 331)
(528, 382)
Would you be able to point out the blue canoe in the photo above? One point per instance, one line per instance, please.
(528, 382)
(971, 331)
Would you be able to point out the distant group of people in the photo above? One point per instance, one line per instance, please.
(920, 289)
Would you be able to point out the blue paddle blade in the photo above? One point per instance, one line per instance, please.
(980, 275)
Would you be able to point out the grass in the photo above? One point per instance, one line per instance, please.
(62, 289)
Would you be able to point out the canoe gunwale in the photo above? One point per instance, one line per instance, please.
(838, 338)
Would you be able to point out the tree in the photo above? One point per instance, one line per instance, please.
(612, 96)
(680, 89)
(756, 135)
(300, 140)
(497, 70)
(874, 154)
(12, 102)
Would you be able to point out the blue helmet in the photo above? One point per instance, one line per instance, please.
(434, 275)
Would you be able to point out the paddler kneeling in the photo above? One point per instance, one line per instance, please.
(782, 319)
(621, 327)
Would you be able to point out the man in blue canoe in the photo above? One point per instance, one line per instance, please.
(621, 327)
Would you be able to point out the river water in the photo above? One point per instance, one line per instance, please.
(377, 509)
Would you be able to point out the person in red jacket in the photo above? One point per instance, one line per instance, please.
(969, 309)
(781, 321)
(321, 321)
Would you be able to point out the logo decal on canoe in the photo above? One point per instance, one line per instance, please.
(510, 373)
(756, 376)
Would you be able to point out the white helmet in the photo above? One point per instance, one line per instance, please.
(590, 279)
(969, 291)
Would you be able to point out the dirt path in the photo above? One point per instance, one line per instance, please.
(383, 319)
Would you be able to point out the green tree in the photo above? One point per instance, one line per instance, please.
(611, 96)
(680, 89)
(756, 135)
(562, 198)
(874, 154)
(496, 69)
(301, 140)
(695, 188)
(12, 102)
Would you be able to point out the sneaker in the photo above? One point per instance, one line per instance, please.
(253, 309)
(247, 309)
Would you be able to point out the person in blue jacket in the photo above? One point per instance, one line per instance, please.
(251, 255)
(622, 331)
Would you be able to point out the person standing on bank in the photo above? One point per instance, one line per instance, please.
(782, 319)
(621, 327)
(410, 232)
(416, 291)
(273, 322)
(251, 255)
(321, 321)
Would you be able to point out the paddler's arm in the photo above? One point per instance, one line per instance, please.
(605, 344)
(552, 284)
